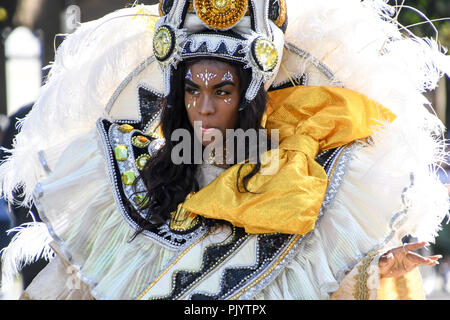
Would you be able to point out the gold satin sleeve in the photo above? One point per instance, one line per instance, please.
(288, 200)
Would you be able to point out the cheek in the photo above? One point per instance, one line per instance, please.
(234, 104)
(187, 101)
(230, 113)
(191, 115)
(190, 105)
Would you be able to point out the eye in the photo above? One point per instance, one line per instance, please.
(192, 91)
(222, 93)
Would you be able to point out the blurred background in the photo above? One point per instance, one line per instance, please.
(30, 30)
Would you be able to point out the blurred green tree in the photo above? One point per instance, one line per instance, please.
(438, 11)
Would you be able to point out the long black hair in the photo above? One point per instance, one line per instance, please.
(168, 184)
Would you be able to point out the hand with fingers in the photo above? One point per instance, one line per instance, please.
(401, 260)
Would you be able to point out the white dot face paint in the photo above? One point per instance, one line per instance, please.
(206, 77)
(227, 101)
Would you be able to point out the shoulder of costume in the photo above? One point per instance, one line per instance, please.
(89, 67)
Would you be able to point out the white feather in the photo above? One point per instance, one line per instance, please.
(89, 66)
(29, 244)
(368, 51)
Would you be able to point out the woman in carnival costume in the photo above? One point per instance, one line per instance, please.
(346, 171)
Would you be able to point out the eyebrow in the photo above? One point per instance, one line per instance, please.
(219, 85)
(224, 83)
(192, 84)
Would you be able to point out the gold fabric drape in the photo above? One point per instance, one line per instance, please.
(310, 120)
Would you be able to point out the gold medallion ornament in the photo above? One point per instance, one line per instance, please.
(265, 54)
(221, 14)
(163, 43)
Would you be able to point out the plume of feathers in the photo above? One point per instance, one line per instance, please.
(30, 243)
(89, 66)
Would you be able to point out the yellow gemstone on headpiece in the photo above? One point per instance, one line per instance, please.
(266, 54)
(162, 43)
(121, 152)
(128, 177)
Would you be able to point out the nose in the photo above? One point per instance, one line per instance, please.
(205, 106)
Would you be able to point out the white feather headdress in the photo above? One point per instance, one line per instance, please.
(358, 41)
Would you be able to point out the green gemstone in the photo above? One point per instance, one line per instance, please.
(128, 177)
(141, 200)
(121, 152)
(142, 161)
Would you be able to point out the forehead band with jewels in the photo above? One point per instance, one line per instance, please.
(206, 77)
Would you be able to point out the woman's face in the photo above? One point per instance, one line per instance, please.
(212, 97)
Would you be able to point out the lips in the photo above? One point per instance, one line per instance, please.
(206, 131)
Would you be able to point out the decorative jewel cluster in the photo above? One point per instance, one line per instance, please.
(228, 76)
(127, 142)
(206, 77)
(163, 43)
(265, 54)
(111, 137)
